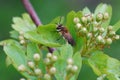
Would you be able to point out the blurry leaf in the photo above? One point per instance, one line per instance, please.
(8, 61)
(116, 26)
(57, 20)
(86, 10)
(32, 48)
(23, 24)
(16, 54)
(46, 35)
(103, 64)
(63, 54)
(102, 8)
(14, 34)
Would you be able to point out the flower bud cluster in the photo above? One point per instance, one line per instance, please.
(71, 68)
(32, 67)
(90, 27)
(21, 38)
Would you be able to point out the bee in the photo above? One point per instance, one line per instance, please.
(65, 33)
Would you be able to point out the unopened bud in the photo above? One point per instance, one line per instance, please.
(95, 29)
(22, 68)
(22, 41)
(76, 20)
(78, 25)
(89, 18)
(99, 16)
(21, 32)
(84, 20)
(89, 35)
(70, 61)
(69, 67)
(52, 70)
(54, 58)
(117, 37)
(49, 55)
(110, 28)
(21, 37)
(47, 77)
(31, 64)
(36, 56)
(106, 16)
(111, 33)
(47, 61)
(84, 30)
(74, 69)
(37, 71)
(108, 41)
(100, 39)
(101, 29)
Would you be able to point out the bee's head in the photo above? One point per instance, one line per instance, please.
(59, 27)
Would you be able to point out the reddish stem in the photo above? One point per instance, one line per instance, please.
(31, 12)
(34, 16)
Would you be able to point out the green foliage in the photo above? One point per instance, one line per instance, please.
(88, 43)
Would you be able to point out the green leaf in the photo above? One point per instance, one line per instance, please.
(32, 48)
(23, 24)
(116, 26)
(8, 61)
(14, 34)
(57, 20)
(86, 10)
(63, 54)
(102, 8)
(46, 35)
(103, 64)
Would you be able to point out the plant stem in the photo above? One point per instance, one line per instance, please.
(32, 12)
(34, 16)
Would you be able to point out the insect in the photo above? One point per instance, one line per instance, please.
(65, 33)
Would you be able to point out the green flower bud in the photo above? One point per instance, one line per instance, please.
(21, 37)
(54, 58)
(111, 33)
(84, 30)
(76, 20)
(95, 23)
(52, 70)
(117, 37)
(108, 41)
(36, 56)
(89, 35)
(106, 16)
(89, 18)
(95, 29)
(47, 77)
(70, 61)
(21, 68)
(49, 55)
(110, 28)
(47, 61)
(84, 20)
(69, 67)
(100, 39)
(78, 25)
(74, 69)
(99, 16)
(22, 41)
(31, 64)
(101, 29)
(21, 32)
(38, 72)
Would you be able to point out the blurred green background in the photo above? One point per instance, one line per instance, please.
(47, 10)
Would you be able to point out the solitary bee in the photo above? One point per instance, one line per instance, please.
(65, 33)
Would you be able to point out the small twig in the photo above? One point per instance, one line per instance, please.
(34, 16)
(32, 12)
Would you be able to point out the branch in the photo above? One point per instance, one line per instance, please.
(34, 16)
(31, 12)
